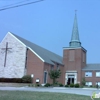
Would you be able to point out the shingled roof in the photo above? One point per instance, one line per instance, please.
(91, 67)
(46, 55)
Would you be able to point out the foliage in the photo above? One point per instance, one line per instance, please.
(27, 79)
(47, 85)
(83, 81)
(60, 84)
(54, 74)
(77, 85)
(31, 85)
(71, 85)
(91, 86)
(37, 85)
(11, 80)
(66, 85)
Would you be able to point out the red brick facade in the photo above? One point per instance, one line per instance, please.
(37, 67)
(73, 59)
(92, 79)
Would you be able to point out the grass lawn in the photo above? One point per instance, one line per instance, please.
(22, 95)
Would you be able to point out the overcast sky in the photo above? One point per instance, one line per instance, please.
(49, 24)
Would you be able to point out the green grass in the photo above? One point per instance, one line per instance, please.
(22, 95)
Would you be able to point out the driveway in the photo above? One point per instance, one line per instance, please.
(80, 91)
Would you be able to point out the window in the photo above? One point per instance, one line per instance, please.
(88, 74)
(45, 77)
(83, 56)
(97, 74)
(88, 83)
(57, 66)
(71, 55)
(52, 67)
(26, 58)
(98, 83)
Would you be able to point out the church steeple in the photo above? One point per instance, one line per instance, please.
(75, 41)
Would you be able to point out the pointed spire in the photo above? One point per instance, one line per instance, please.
(75, 42)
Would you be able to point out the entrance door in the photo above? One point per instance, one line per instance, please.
(45, 77)
(70, 79)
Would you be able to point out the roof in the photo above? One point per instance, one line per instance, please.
(46, 55)
(75, 41)
(91, 67)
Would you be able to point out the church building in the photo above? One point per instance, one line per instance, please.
(19, 57)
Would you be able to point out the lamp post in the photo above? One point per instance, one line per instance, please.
(32, 75)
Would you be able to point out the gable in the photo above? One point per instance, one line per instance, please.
(14, 64)
(44, 54)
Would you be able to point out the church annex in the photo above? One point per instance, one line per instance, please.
(19, 57)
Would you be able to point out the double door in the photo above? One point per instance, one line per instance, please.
(71, 79)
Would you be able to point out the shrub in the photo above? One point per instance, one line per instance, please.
(11, 80)
(71, 85)
(66, 85)
(61, 85)
(37, 85)
(27, 79)
(76, 85)
(91, 86)
(47, 85)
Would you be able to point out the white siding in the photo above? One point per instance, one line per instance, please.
(15, 63)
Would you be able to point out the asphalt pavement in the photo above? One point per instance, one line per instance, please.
(79, 91)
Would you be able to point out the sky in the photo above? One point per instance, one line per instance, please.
(49, 24)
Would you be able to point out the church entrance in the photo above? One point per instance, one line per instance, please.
(70, 79)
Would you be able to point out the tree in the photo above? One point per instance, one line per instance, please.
(54, 74)
(83, 81)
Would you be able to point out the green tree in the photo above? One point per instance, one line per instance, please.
(83, 81)
(54, 74)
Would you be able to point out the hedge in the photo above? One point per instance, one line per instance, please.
(11, 80)
(24, 79)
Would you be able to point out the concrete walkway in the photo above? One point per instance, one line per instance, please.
(80, 91)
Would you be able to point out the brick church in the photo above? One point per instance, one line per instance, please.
(19, 57)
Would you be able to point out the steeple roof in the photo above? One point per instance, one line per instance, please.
(75, 41)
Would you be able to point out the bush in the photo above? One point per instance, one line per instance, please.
(11, 80)
(66, 85)
(47, 85)
(61, 85)
(37, 85)
(91, 86)
(27, 79)
(76, 85)
(71, 85)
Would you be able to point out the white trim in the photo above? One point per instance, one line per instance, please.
(97, 74)
(24, 45)
(71, 73)
(74, 48)
(46, 77)
(71, 48)
(27, 47)
(74, 71)
(36, 54)
(88, 83)
(17, 39)
(88, 74)
(3, 38)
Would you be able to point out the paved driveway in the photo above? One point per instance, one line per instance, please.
(80, 91)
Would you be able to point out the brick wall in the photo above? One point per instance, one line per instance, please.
(92, 79)
(34, 66)
(75, 63)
